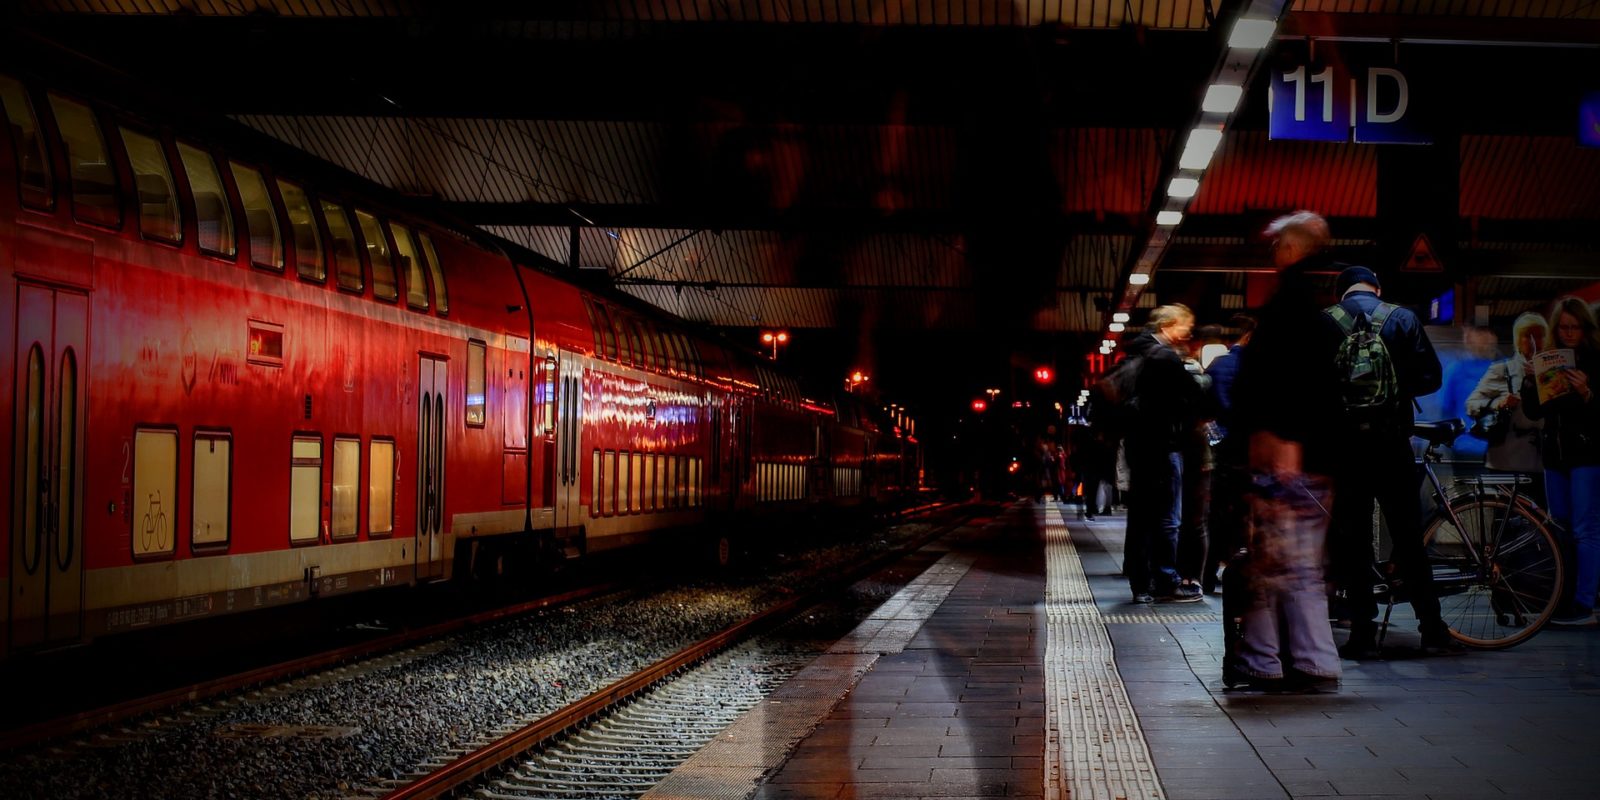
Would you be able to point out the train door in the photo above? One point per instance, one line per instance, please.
(432, 388)
(569, 453)
(47, 525)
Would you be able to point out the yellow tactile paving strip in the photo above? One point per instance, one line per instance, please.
(1093, 745)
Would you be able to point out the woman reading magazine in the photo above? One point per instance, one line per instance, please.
(1564, 398)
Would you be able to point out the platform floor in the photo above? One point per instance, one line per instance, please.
(998, 692)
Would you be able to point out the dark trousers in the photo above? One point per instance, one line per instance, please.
(1226, 518)
(1380, 467)
(1194, 538)
(1155, 515)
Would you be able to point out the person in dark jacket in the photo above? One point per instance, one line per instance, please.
(1378, 465)
(1228, 477)
(1572, 453)
(1166, 403)
(1286, 404)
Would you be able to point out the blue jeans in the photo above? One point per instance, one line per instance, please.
(1151, 555)
(1286, 624)
(1574, 496)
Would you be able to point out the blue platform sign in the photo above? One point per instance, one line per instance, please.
(1589, 120)
(1344, 98)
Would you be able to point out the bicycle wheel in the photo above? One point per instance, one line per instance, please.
(1498, 573)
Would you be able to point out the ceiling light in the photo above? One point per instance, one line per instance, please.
(1169, 217)
(1138, 279)
(1222, 98)
(1183, 188)
(1105, 351)
(1252, 34)
(1117, 327)
(1120, 316)
(1197, 151)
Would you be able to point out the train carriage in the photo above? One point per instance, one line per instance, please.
(239, 382)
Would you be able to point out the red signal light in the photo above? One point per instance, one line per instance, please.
(979, 406)
(1044, 374)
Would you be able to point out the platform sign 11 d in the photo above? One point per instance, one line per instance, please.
(1338, 101)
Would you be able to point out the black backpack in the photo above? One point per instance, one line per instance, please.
(1366, 370)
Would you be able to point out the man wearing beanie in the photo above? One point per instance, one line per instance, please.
(1377, 464)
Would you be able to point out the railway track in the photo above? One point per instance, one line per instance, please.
(577, 752)
(362, 722)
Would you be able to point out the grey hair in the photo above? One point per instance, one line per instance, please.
(1307, 224)
(1168, 315)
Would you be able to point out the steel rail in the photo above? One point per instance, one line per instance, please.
(473, 765)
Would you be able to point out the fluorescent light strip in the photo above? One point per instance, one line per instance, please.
(1169, 217)
(1221, 98)
(1183, 188)
(1138, 279)
(1252, 34)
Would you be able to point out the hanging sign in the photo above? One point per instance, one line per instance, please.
(1342, 98)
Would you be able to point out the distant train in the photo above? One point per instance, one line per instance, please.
(235, 388)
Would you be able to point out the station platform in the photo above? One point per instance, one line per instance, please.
(1018, 667)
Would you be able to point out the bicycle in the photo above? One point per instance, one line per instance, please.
(1496, 563)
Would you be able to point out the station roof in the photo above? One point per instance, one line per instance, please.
(906, 177)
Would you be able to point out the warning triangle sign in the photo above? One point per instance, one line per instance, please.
(1421, 258)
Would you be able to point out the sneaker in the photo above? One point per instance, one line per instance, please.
(1185, 593)
(1144, 597)
(1575, 619)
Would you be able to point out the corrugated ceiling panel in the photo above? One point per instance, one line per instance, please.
(1559, 9)
(1250, 173)
(1110, 169)
(1529, 177)
(1094, 261)
(1186, 14)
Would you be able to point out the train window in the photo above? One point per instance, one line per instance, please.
(669, 481)
(94, 180)
(594, 326)
(155, 491)
(694, 481)
(212, 495)
(346, 482)
(608, 484)
(636, 341)
(599, 486)
(476, 352)
(215, 220)
(260, 221)
(549, 400)
(625, 349)
(152, 180)
(303, 227)
(305, 489)
(441, 295)
(637, 483)
(346, 264)
(624, 483)
(608, 334)
(33, 165)
(646, 331)
(685, 364)
(691, 356)
(410, 266)
(383, 285)
(380, 488)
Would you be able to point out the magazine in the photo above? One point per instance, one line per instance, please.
(1547, 367)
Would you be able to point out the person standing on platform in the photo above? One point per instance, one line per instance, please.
(1166, 401)
(1380, 379)
(1286, 407)
(1515, 447)
(1564, 397)
(1461, 378)
(1226, 523)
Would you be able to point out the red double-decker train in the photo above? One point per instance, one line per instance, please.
(236, 385)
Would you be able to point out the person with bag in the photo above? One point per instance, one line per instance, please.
(1564, 398)
(1384, 361)
(1496, 404)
